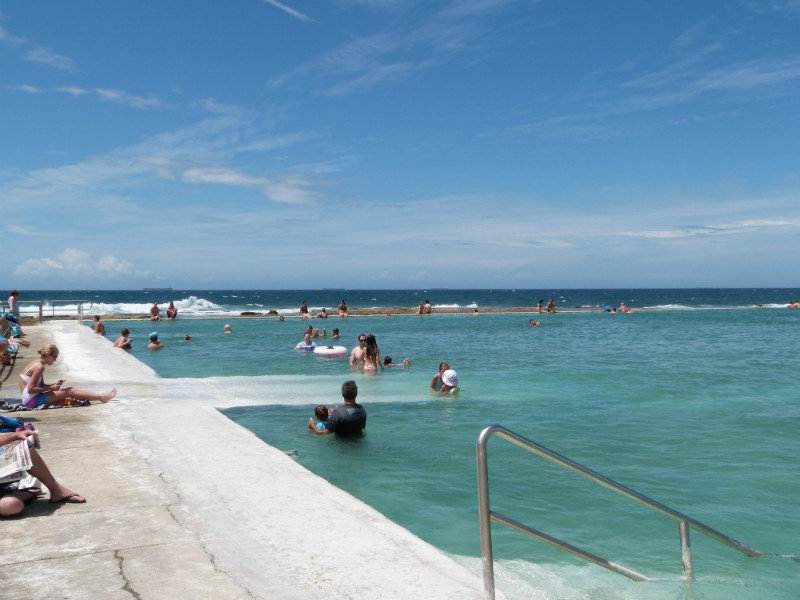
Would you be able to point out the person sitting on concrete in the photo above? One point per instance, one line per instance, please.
(349, 419)
(35, 392)
(13, 501)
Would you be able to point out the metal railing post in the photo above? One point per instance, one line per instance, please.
(485, 521)
(486, 515)
(686, 550)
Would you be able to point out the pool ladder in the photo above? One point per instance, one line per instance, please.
(486, 515)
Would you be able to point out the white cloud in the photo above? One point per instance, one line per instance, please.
(25, 88)
(43, 56)
(73, 263)
(72, 90)
(289, 188)
(123, 97)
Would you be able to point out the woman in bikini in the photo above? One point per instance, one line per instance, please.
(35, 392)
(372, 355)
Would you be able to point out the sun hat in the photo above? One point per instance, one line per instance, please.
(450, 378)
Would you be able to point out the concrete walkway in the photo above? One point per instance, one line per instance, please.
(184, 503)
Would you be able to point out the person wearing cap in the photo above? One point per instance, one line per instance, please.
(155, 343)
(359, 353)
(449, 382)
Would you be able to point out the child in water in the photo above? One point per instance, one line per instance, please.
(321, 415)
(387, 362)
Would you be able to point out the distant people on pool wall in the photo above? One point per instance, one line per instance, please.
(172, 310)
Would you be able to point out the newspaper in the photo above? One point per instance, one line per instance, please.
(15, 459)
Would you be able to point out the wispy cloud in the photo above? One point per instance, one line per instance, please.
(202, 154)
(37, 53)
(104, 94)
(394, 54)
(43, 56)
(691, 231)
(296, 14)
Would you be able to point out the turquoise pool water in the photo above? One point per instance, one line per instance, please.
(697, 409)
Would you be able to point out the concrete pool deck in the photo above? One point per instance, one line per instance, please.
(184, 503)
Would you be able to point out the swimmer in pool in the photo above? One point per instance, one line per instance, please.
(321, 417)
(335, 334)
(449, 382)
(123, 341)
(436, 382)
(187, 338)
(372, 355)
(357, 355)
(534, 323)
(306, 343)
(99, 328)
(387, 362)
(155, 343)
(228, 328)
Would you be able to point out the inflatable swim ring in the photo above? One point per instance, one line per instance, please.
(331, 351)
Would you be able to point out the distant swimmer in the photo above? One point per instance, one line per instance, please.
(281, 319)
(475, 313)
(759, 306)
(187, 338)
(335, 334)
(357, 355)
(342, 310)
(387, 362)
(534, 323)
(314, 332)
(227, 328)
(304, 310)
(155, 343)
(155, 312)
(172, 311)
(322, 314)
(306, 343)
(623, 308)
(99, 328)
(123, 341)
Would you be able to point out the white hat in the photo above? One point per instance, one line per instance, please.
(450, 378)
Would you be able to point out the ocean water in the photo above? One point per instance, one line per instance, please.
(221, 303)
(698, 409)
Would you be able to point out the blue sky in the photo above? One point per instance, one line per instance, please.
(399, 144)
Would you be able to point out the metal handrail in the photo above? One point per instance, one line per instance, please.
(487, 516)
(52, 303)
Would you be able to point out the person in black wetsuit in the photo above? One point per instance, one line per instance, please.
(349, 419)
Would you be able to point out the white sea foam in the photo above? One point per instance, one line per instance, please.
(473, 305)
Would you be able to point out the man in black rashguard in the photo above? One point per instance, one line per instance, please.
(348, 419)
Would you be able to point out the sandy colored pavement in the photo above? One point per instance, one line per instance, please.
(184, 503)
